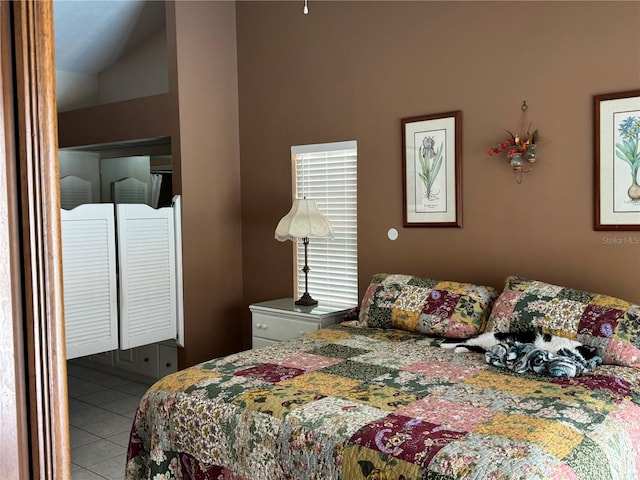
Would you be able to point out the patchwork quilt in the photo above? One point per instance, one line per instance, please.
(362, 403)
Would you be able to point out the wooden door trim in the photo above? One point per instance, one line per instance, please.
(14, 441)
(39, 220)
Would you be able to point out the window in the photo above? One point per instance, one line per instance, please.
(327, 173)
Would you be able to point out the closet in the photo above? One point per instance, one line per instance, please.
(122, 263)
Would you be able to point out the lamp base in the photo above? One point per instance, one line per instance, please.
(306, 300)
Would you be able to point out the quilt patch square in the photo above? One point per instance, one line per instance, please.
(517, 385)
(190, 463)
(356, 370)
(619, 352)
(454, 287)
(362, 463)
(575, 295)
(527, 313)
(183, 379)
(627, 414)
(226, 387)
(441, 303)
(563, 316)
(389, 358)
(309, 362)
(270, 372)
(276, 400)
(525, 387)
(334, 416)
(405, 320)
(622, 353)
(329, 335)
(515, 460)
(588, 461)
(433, 324)
(628, 328)
(420, 385)
(612, 437)
(230, 365)
(337, 351)
(411, 298)
(409, 439)
(554, 437)
(322, 383)
(362, 342)
(611, 302)
(450, 415)
(444, 370)
(503, 311)
(384, 398)
(537, 288)
(599, 321)
(617, 387)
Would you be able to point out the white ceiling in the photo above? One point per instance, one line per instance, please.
(91, 35)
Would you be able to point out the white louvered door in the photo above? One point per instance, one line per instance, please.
(147, 269)
(89, 276)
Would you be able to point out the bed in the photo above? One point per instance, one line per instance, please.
(376, 398)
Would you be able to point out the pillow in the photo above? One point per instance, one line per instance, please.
(441, 308)
(607, 323)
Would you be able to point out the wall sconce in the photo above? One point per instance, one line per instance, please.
(521, 152)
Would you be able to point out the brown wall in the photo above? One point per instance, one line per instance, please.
(352, 70)
(207, 87)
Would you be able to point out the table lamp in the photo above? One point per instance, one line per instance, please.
(304, 220)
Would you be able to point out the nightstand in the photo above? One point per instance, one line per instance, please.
(282, 319)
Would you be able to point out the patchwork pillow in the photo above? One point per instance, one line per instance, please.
(607, 323)
(441, 308)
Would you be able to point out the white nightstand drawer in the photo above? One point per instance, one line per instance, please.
(278, 328)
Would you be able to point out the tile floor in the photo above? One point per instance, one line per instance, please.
(101, 411)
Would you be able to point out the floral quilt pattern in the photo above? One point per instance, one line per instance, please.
(359, 403)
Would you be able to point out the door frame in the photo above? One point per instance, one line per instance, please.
(34, 429)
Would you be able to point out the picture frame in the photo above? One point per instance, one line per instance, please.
(432, 170)
(617, 161)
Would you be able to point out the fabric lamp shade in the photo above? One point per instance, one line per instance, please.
(303, 220)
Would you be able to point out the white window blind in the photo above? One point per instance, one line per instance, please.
(327, 173)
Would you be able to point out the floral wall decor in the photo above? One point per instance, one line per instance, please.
(520, 150)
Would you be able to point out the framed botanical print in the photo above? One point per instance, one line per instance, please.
(617, 161)
(432, 176)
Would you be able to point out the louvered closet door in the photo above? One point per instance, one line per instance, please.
(146, 260)
(89, 276)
